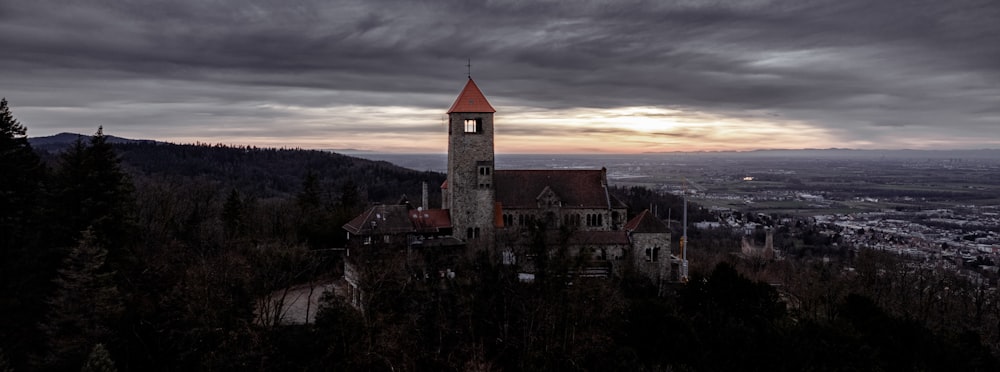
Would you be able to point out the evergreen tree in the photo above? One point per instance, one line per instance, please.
(93, 192)
(85, 306)
(25, 269)
(110, 192)
(315, 226)
(232, 215)
(310, 197)
(99, 360)
(21, 170)
(69, 182)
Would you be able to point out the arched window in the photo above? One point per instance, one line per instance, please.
(474, 125)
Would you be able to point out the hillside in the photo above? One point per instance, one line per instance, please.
(259, 172)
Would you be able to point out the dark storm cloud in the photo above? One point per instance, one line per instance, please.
(855, 67)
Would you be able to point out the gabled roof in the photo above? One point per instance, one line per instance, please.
(396, 219)
(646, 223)
(471, 100)
(576, 188)
(386, 219)
(430, 219)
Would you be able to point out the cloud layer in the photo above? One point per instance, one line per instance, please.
(380, 74)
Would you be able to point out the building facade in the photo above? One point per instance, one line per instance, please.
(506, 212)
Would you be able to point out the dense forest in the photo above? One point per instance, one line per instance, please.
(150, 256)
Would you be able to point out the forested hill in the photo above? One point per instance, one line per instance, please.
(264, 172)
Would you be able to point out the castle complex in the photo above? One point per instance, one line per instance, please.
(505, 212)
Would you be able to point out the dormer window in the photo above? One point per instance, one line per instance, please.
(474, 125)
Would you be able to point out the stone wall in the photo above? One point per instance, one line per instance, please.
(651, 255)
(470, 174)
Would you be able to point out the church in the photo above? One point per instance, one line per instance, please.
(502, 211)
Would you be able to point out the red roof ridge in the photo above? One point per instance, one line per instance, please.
(471, 100)
(646, 222)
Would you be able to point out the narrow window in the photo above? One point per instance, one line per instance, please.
(468, 233)
(473, 125)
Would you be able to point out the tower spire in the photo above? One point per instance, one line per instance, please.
(469, 66)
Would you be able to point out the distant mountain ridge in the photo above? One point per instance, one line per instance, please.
(60, 141)
(260, 172)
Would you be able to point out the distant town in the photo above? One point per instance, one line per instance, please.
(937, 209)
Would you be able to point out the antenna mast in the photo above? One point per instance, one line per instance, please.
(684, 236)
(469, 66)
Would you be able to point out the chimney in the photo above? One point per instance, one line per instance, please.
(424, 196)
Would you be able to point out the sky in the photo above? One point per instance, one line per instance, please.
(564, 76)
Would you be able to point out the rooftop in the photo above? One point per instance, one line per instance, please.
(471, 100)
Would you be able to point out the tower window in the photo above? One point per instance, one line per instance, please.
(474, 125)
(472, 233)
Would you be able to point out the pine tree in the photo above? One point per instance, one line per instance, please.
(21, 170)
(93, 191)
(99, 360)
(85, 306)
(110, 192)
(232, 215)
(70, 191)
(310, 197)
(22, 175)
(25, 269)
(314, 219)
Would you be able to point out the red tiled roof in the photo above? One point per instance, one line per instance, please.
(471, 100)
(575, 188)
(388, 219)
(646, 222)
(394, 219)
(430, 219)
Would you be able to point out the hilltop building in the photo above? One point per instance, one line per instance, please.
(504, 211)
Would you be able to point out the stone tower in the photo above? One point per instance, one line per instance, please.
(470, 189)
